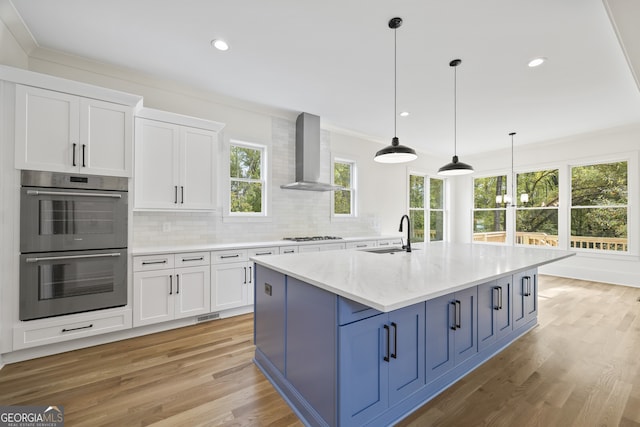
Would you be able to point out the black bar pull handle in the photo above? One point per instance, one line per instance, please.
(395, 340)
(73, 155)
(526, 291)
(496, 297)
(78, 328)
(250, 274)
(500, 292)
(458, 314)
(175, 194)
(171, 284)
(182, 194)
(177, 283)
(84, 149)
(386, 327)
(245, 275)
(455, 315)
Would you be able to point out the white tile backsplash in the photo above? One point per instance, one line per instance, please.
(294, 213)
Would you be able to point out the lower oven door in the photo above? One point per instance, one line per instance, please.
(57, 283)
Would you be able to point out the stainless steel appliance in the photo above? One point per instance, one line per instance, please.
(73, 243)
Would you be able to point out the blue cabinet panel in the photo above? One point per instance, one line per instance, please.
(439, 336)
(504, 322)
(525, 297)
(363, 375)
(488, 307)
(311, 345)
(466, 334)
(351, 311)
(406, 369)
(269, 315)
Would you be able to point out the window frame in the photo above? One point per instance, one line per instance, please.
(518, 207)
(426, 208)
(506, 192)
(264, 181)
(352, 188)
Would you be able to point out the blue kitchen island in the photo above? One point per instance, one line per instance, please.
(353, 338)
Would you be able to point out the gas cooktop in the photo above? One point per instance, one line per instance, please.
(311, 238)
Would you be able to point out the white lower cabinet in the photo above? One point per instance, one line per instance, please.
(170, 287)
(230, 279)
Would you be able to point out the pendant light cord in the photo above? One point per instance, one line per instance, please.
(455, 110)
(513, 176)
(395, 82)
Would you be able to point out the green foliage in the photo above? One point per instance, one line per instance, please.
(342, 198)
(417, 225)
(245, 166)
(541, 187)
(486, 189)
(416, 191)
(436, 198)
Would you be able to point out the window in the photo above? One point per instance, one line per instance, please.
(344, 200)
(537, 208)
(418, 210)
(247, 179)
(599, 203)
(489, 216)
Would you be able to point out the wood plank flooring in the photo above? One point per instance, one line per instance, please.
(579, 367)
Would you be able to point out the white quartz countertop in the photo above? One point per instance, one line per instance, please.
(156, 250)
(388, 282)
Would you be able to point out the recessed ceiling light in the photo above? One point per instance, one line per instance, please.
(220, 44)
(404, 114)
(535, 62)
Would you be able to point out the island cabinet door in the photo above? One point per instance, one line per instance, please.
(440, 336)
(406, 364)
(466, 332)
(525, 297)
(363, 374)
(494, 311)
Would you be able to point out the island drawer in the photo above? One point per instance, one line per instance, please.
(350, 311)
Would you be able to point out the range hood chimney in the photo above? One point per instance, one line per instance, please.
(308, 156)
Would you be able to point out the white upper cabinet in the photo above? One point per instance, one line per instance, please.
(60, 132)
(175, 164)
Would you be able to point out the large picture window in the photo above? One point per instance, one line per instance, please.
(537, 199)
(489, 215)
(247, 179)
(419, 187)
(599, 204)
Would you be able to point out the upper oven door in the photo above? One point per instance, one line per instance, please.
(63, 220)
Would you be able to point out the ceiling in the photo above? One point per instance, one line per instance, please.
(335, 58)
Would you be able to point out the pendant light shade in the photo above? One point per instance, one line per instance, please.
(456, 167)
(395, 153)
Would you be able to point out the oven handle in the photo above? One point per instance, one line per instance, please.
(66, 193)
(53, 258)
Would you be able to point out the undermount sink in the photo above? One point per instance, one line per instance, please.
(383, 250)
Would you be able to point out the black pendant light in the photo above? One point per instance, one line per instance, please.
(395, 153)
(455, 167)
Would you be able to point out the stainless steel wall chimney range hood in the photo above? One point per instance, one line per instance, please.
(308, 156)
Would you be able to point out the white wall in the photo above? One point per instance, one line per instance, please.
(606, 145)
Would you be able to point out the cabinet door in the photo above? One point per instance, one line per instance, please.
(270, 315)
(504, 322)
(156, 165)
(406, 367)
(440, 336)
(197, 169)
(105, 138)
(152, 297)
(229, 285)
(363, 373)
(525, 297)
(466, 333)
(488, 308)
(47, 130)
(192, 291)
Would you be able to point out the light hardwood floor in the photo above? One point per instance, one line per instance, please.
(579, 367)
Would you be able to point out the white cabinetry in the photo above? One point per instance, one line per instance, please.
(232, 276)
(321, 247)
(60, 132)
(175, 164)
(362, 244)
(172, 286)
(390, 242)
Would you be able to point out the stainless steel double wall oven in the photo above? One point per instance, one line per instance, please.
(73, 243)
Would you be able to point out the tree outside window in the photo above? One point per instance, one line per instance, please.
(599, 202)
(537, 200)
(344, 200)
(436, 209)
(247, 182)
(489, 216)
(419, 187)
(417, 207)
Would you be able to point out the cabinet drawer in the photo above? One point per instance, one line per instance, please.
(390, 242)
(288, 249)
(361, 245)
(152, 262)
(274, 250)
(40, 333)
(351, 311)
(221, 257)
(191, 259)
